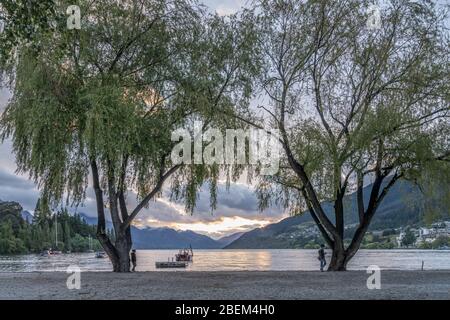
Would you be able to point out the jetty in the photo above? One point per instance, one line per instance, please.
(171, 264)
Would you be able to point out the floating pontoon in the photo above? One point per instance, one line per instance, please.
(171, 264)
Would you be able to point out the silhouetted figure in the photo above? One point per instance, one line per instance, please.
(133, 259)
(321, 257)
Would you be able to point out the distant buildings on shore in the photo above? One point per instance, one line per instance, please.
(425, 235)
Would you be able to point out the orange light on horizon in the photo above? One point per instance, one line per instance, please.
(223, 225)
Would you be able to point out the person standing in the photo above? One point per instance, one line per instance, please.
(133, 259)
(321, 257)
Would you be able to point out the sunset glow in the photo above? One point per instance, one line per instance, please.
(224, 225)
(220, 227)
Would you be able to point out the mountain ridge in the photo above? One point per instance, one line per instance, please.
(401, 207)
(165, 237)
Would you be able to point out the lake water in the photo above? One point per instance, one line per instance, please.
(235, 260)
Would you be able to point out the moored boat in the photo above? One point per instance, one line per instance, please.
(100, 254)
(50, 252)
(186, 255)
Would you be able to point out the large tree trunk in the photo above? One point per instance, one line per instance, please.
(123, 246)
(119, 252)
(338, 262)
(120, 256)
(338, 258)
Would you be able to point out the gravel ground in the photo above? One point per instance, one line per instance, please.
(227, 285)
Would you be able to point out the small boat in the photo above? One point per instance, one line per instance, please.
(50, 252)
(186, 255)
(100, 254)
(45, 253)
(171, 264)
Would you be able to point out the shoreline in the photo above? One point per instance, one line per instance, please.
(182, 270)
(219, 285)
(237, 260)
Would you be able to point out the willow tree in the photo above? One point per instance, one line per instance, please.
(359, 105)
(101, 103)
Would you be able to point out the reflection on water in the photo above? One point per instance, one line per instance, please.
(234, 260)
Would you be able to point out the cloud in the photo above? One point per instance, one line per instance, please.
(237, 210)
(223, 226)
(15, 181)
(14, 187)
(18, 188)
(7, 159)
(4, 97)
(224, 8)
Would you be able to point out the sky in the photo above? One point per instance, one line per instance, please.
(237, 208)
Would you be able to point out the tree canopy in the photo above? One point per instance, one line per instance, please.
(354, 105)
(104, 100)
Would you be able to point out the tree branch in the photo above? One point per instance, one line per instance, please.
(149, 196)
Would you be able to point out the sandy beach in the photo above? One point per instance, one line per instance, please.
(227, 285)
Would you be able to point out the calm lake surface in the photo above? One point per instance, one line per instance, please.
(234, 260)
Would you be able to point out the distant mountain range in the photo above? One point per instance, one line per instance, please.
(229, 239)
(27, 216)
(401, 207)
(12, 209)
(147, 238)
(167, 238)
